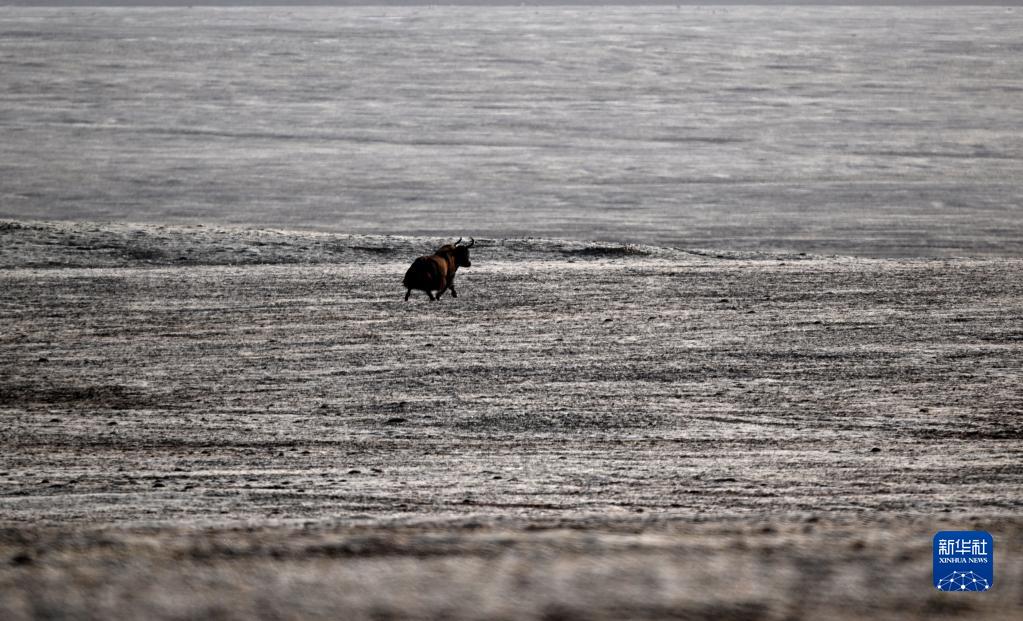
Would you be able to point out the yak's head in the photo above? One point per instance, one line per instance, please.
(462, 252)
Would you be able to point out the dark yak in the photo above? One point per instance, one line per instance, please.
(437, 271)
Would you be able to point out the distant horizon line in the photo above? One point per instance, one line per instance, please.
(502, 3)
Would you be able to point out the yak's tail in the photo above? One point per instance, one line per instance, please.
(423, 275)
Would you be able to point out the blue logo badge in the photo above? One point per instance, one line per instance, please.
(964, 560)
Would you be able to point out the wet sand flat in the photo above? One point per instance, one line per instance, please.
(869, 131)
(243, 423)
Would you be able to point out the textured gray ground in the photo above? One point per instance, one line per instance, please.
(203, 421)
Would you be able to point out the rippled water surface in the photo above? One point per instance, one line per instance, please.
(888, 131)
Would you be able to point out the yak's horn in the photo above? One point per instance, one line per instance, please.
(472, 242)
(459, 241)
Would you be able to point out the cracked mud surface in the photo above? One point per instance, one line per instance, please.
(236, 423)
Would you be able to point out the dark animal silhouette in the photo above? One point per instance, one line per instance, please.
(437, 271)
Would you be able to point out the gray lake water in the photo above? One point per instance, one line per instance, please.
(868, 131)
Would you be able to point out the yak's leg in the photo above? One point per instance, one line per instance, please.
(408, 293)
(454, 293)
(430, 293)
(441, 292)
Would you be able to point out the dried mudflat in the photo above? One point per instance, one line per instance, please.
(252, 424)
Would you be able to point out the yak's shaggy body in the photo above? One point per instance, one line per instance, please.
(437, 271)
